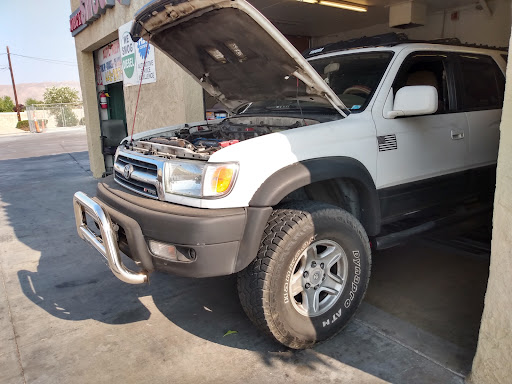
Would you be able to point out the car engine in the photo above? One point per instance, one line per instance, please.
(200, 142)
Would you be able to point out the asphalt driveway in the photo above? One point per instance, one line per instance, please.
(65, 318)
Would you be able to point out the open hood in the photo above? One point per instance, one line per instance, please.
(232, 50)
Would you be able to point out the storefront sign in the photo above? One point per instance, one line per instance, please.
(133, 55)
(89, 11)
(109, 68)
(76, 25)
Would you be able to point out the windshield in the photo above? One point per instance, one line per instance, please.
(353, 77)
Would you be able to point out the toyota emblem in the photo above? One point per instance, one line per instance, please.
(128, 170)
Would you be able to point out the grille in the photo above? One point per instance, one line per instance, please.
(143, 178)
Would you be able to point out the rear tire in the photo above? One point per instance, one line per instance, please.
(310, 274)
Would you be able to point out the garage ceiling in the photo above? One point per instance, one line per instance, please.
(297, 18)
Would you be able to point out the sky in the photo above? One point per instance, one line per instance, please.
(37, 28)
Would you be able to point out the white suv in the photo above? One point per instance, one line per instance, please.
(324, 160)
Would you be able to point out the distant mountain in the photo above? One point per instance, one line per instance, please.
(36, 90)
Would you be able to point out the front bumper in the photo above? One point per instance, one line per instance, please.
(222, 241)
(106, 244)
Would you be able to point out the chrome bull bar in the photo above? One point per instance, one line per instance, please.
(106, 245)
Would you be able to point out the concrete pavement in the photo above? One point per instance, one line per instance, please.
(65, 318)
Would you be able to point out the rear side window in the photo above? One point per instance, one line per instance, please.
(483, 83)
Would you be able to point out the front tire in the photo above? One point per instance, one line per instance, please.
(310, 274)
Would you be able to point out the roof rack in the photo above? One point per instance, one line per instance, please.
(387, 40)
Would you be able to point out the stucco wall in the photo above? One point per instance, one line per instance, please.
(8, 121)
(492, 363)
(472, 26)
(174, 99)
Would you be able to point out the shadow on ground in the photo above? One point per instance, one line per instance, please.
(69, 280)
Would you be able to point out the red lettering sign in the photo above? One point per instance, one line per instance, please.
(96, 7)
(75, 22)
(89, 11)
(111, 50)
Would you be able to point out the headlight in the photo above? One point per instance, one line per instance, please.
(198, 179)
(184, 177)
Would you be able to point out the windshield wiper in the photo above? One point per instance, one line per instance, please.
(309, 109)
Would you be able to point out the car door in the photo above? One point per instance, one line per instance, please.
(482, 86)
(420, 159)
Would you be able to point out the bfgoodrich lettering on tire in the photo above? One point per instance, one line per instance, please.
(310, 274)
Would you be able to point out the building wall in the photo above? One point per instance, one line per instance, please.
(174, 99)
(492, 361)
(472, 26)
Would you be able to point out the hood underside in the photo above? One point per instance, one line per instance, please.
(232, 50)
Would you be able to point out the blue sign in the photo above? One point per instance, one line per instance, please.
(142, 45)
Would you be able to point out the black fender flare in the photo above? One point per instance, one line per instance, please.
(306, 172)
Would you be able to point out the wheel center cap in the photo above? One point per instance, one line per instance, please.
(316, 276)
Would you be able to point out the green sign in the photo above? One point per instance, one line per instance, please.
(128, 55)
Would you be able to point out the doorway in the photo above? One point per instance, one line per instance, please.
(116, 107)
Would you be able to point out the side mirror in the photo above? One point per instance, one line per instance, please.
(415, 100)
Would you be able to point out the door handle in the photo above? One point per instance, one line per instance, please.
(457, 135)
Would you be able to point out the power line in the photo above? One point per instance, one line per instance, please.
(51, 61)
(41, 58)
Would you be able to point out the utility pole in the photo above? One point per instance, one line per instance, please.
(13, 85)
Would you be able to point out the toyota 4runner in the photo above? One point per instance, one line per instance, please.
(325, 159)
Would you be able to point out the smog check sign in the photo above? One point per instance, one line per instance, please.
(128, 54)
(133, 55)
(88, 12)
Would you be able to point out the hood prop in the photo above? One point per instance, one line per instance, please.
(140, 86)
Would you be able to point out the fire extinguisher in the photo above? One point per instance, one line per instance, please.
(103, 100)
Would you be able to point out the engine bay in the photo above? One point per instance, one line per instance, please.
(201, 141)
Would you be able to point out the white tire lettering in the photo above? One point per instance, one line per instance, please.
(355, 283)
(286, 296)
(335, 317)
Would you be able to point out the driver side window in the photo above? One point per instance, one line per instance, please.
(426, 68)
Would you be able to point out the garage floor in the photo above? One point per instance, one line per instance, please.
(65, 318)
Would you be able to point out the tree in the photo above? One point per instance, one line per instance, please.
(6, 104)
(31, 101)
(64, 115)
(60, 95)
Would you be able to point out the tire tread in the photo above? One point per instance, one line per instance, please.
(253, 284)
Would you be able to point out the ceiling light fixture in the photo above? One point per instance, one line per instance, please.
(336, 4)
(350, 7)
